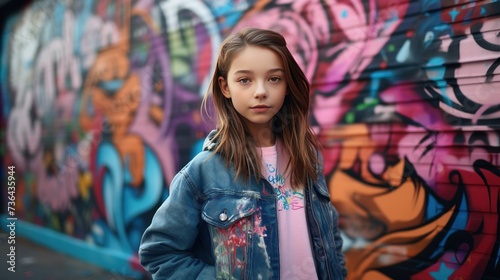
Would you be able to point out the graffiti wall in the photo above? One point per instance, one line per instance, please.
(101, 108)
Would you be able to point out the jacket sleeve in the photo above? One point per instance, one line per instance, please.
(338, 243)
(166, 245)
(336, 229)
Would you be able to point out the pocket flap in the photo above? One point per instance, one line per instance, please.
(222, 211)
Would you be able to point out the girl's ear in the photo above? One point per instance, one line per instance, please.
(224, 87)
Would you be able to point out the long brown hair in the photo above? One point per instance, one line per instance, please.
(290, 124)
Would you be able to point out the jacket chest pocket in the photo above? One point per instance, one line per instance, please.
(231, 220)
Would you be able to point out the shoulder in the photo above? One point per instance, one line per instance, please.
(205, 169)
(202, 160)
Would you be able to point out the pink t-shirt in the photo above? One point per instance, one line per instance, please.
(296, 260)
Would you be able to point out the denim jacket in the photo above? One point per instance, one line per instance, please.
(215, 227)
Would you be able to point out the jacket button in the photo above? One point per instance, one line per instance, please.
(223, 217)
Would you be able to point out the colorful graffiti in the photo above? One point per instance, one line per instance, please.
(102, 104)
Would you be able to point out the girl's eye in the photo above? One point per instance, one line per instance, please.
(243, 81)
(275, 79)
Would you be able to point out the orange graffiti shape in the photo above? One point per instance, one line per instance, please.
(115, 93)
(382, 213)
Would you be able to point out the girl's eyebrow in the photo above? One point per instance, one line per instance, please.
(273, 70)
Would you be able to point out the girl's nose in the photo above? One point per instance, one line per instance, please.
(260, 91)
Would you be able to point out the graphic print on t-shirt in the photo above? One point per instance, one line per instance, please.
(288, 199)
(296, 258)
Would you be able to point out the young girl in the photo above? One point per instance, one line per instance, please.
(254, 203)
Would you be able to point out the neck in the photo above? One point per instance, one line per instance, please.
(263, 137)
(266, 141)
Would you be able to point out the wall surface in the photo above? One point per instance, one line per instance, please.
(100, 103)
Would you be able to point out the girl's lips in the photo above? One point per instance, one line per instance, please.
(260, 109)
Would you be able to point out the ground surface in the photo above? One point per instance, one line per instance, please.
(36, 262)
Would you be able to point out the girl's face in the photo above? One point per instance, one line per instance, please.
(257, 86)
